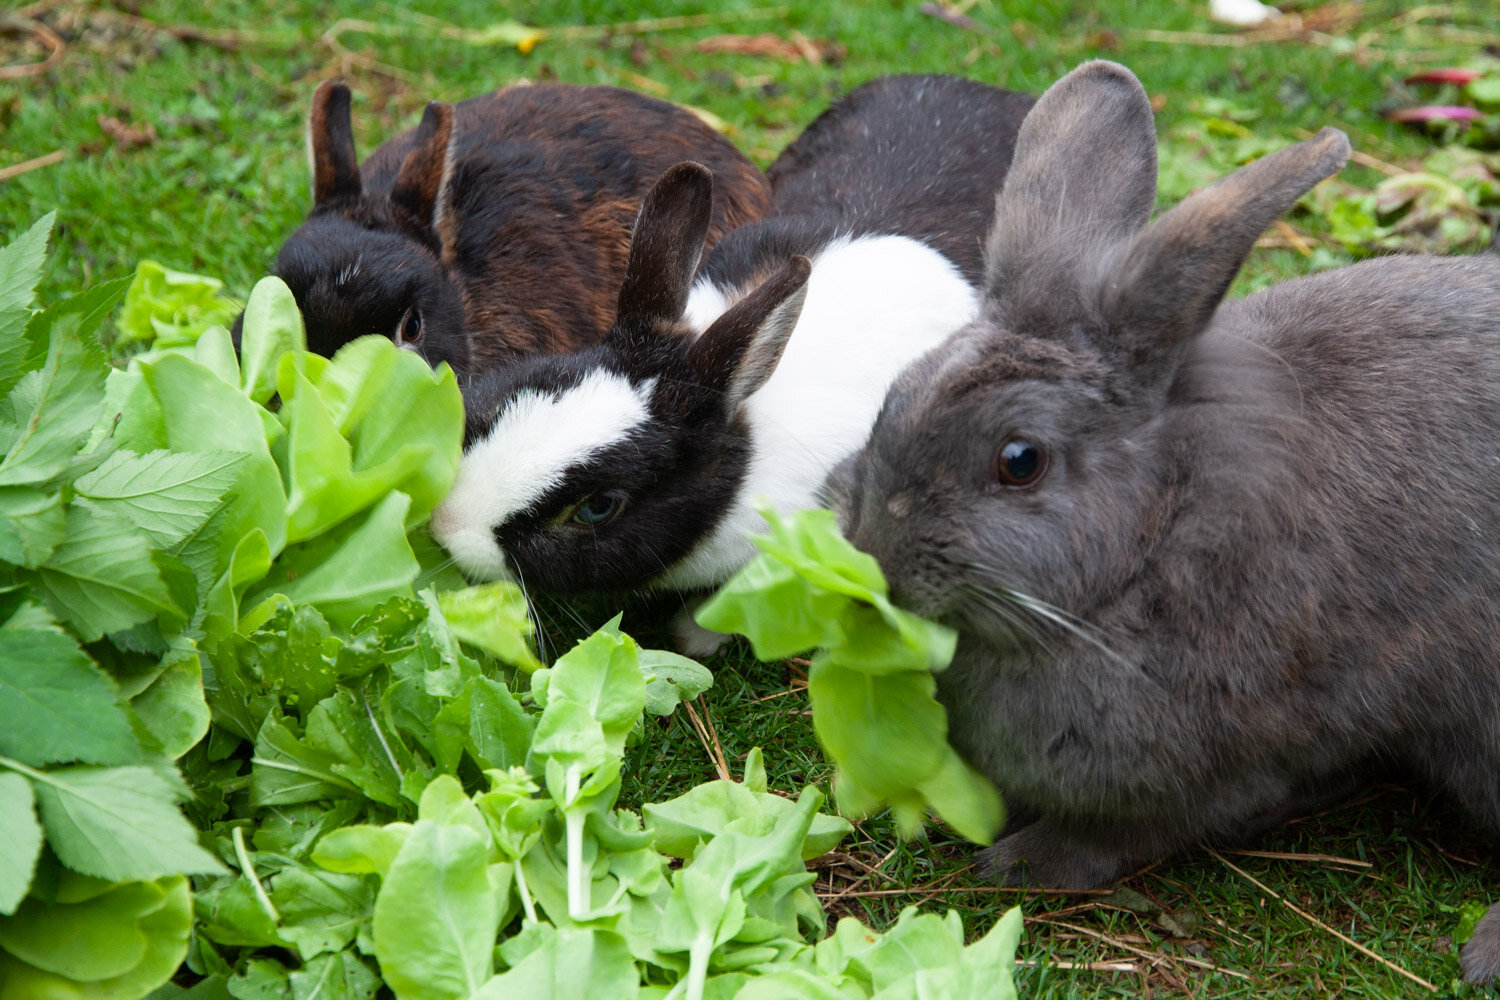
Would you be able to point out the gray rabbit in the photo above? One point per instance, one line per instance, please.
(1208, 560)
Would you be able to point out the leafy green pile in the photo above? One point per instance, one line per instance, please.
(526, 878)
(144, 509)
(871, 681)
(229, 650)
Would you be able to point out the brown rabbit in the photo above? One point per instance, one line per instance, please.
(1207, 559)
(498, 228)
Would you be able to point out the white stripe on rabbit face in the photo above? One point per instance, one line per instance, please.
(534, 440)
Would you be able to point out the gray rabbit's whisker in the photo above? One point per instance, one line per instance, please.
(1012, 617)
(1069, 623)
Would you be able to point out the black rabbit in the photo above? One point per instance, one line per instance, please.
(637, 463)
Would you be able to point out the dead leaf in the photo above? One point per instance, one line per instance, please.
(798, 48)
(125, 135)
(956, 18)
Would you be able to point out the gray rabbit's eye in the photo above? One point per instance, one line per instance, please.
(1019, 464)
(598, 509)
(409, 330)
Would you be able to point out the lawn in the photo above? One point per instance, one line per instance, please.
(159, 131)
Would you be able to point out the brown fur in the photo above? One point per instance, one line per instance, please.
(502, 222)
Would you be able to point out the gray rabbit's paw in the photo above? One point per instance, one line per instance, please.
(1045, 856)
(1481, 955)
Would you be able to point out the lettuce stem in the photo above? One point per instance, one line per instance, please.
(578, 903)
(526, 902)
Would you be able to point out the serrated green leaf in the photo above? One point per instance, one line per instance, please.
(20, 840)
(102, 578)
(167, 495)
(21, 264)
(56, 705)
(436, 916)
(32, 524)
(200, 412)
(54, 408)
(118, 823)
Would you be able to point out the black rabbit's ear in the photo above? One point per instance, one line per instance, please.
(740, 349)
(1083, 177)
(1169, 284)
(665, 248)
(420, 184)
(331, 141)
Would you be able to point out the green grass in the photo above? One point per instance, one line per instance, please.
(225, 179)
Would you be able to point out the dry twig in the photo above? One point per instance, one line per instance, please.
(1318, 923)
(48, 37)
(35, 163)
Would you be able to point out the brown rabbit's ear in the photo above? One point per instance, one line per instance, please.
(330, 137)
(1083, 176)
(1175, 274)
(740, 349)
(665, 248)
(423, 178)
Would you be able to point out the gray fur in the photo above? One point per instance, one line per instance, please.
(1266, 551)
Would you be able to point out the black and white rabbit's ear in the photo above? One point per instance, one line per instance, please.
(1168, 285)
(740, 349)
(423, 177)
(1083, 176)
(670, 230)
(330, 135)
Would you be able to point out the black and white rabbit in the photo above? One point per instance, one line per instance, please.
(1206, 558)
(638, 463)
(498, 227)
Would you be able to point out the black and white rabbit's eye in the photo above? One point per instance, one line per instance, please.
(1019, 464)
(409, 330)
(597, 509)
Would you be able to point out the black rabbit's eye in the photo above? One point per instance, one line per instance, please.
(1019, 464)
(598, 509)
(410, 330)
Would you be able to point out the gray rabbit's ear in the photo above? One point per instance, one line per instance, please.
(1168, 285)
(1083, 177)
(330, 138)
(670, 230)
(422, 181)
(739, 350)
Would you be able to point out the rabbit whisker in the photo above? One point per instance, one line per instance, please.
(1012, 617)
(1041, 612)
